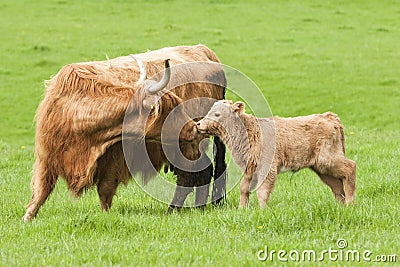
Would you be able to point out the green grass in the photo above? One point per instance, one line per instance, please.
(306, 56)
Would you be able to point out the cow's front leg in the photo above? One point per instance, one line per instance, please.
(184, 185)
(202, 182)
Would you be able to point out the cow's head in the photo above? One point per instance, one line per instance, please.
(152, 105)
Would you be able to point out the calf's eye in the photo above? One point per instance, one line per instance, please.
(217, 115)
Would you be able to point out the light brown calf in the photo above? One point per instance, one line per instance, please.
(264, 147)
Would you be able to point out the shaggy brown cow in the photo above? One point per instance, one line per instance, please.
(315, 141)
(80, 123)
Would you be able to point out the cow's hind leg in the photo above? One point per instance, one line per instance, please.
(42, 184)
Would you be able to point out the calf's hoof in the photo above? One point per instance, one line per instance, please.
(27, 217)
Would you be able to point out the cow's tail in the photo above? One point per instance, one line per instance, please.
(342, 138)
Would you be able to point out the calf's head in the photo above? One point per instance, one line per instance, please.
(222, 116)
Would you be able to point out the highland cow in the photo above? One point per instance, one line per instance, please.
(79, 129)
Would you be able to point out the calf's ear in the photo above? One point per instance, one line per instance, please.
(238, 107)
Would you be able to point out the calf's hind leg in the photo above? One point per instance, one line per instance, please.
(336, 186)
(345, 169)
(42, 184)
(349, 180)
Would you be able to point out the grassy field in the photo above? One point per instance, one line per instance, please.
(306, 56)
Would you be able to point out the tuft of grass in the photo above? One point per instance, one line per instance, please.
(306, 57)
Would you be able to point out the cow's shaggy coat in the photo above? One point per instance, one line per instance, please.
(80, 120)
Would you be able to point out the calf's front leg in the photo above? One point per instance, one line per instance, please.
(245, 190)
(266, 187)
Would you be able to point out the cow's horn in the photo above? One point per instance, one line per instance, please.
(142, 69)
(154, 88)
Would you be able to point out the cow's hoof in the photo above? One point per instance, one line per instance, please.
(169, 210)
(218, 202)
(172, 209)
(201, 207)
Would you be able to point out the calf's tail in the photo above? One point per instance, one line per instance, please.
(338, 124)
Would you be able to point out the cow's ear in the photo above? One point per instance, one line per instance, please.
(238, 107)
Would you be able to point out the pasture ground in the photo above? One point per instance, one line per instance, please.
(306, 56)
